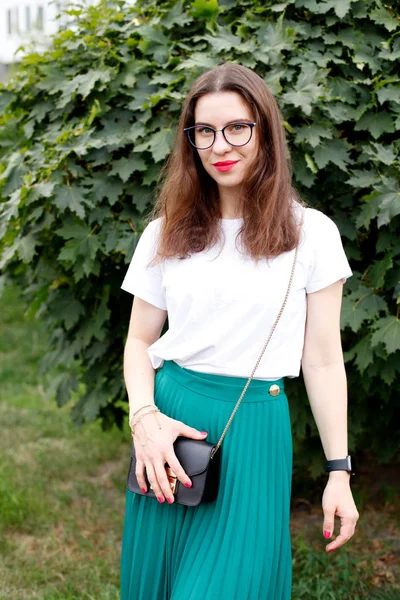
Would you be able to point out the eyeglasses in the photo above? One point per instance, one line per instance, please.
(236, 134)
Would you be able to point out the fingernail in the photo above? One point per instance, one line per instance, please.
(143, 489)
(204, 432)
(160, 499)
(189, 485)
(169, 501)
(333, 550)
(327, 534)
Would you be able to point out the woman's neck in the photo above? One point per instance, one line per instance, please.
(229, 203)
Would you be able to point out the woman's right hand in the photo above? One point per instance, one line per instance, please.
(154, 447)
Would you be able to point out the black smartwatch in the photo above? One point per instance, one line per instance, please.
(342, 464)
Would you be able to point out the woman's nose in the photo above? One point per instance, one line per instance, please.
(220, 144)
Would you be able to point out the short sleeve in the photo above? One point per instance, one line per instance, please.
(328, 261)
(140, 279)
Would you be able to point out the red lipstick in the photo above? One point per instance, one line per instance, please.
(225, 165)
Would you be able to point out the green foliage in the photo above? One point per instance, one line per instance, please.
(87, 125)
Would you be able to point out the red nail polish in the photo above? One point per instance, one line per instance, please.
(204, 432)
(160, 499)
(327, 534)
(333, 550)
(189, 485)
(143, 490)
(169, 501)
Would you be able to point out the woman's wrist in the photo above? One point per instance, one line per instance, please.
(134, 414)
(339, 476)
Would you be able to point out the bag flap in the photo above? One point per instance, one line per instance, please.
(194, 455)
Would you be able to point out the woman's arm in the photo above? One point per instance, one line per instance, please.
(325, 380)
(154, 438)
(145, 327)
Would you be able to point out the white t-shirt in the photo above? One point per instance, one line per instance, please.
(221, 308)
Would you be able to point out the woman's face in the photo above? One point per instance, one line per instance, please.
(216, 111)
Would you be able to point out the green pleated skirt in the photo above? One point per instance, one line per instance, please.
(237, 547)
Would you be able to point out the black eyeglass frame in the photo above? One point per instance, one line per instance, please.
(187, 130)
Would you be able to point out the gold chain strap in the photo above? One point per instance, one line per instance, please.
(265, 345)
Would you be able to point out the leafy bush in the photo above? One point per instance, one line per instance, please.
(87, 125)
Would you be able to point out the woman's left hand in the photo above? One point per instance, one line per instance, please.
(338, 500)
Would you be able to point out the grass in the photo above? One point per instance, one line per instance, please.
(61, 487)
(62, 500)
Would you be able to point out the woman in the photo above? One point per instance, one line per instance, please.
(225, 226)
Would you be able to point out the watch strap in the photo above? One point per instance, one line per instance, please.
(341, 464)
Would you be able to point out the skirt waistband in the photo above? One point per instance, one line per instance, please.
(224, 387)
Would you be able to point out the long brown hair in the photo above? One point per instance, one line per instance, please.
(188, 197)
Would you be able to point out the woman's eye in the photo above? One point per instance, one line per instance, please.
(236, 127)
(205, 130)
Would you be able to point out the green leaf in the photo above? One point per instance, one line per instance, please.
(334, 151)
(124, 167)
(389, 93)
(108, 187)
(384, 17)
(142, 91)
(363, 354)
(40, 190)
(197, 61)
(362, 179)
(160, 144)
(301, 171)
(314, 133)
(85, 247)
(151, 175)
(273, 81)
(378, 270)
(72, 197)
(343, 90)
(388, 53)
(376, 123)
(222, 41)
(374, 304)
(310, 163)
(352, 314)
(175, 17)
(272, 39)
(73, 230)
(86, 82)
(26, 248)
(306, 91)
(387, 332)
(342, 7)
(204, 9)
(339, 112)
(83, 84)
(151, 33)
(387, 194)
(71, 251)
(279, 7)
(369, 211)
(70, 311)
(390, 369)
(381, 153)
(102, 315)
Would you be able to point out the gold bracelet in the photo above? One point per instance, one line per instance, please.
(148, 411)
(138, 421)
(140, 417)
(134, 415)
(145, 406)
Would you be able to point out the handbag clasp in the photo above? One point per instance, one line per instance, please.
(171, 478)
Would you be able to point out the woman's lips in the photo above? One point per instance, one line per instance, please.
(225, 166)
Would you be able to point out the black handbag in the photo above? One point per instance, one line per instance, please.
(199, 458)
(195, 458)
